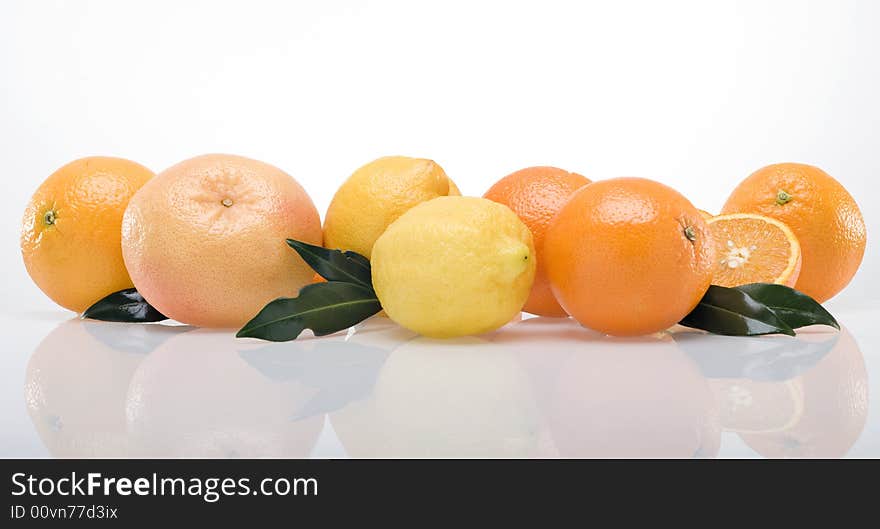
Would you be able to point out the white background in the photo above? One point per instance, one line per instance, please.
(695, 94)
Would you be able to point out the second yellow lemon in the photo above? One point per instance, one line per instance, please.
(454, 266)
(376, 195)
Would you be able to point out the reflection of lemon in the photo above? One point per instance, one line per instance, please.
(356, 423)
(376, 195)
(454, 266)
(750, 406)
(457, 398)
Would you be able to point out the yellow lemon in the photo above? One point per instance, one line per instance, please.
(376, 195)
(454, 266)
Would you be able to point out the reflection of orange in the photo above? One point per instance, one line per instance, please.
(821, 213)
(196, 396)
(536, 194)
(70, 238)
(834, 407)
(628, 256)
(633, 398)
(75, 389)
(751, 406)
(543, 346)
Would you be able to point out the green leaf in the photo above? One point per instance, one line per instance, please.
(794, 308)
(335, 265)
(322, 307)
(734, 313)
(125, 306)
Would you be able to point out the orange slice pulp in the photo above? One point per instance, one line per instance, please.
(753, 248)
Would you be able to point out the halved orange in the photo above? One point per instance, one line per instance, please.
(754, 249)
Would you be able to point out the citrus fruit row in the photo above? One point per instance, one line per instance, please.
(204, 241)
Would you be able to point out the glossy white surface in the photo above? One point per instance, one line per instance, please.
(536, 388)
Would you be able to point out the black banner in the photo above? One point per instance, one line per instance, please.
(38, 492)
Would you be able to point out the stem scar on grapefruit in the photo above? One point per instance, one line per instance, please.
(754, 249)
(536, 194)
(629, 256)
(70, 239)
(204, 240)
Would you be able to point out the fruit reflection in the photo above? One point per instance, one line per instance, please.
(354, 422)
(820, 413)
(462, 397)
(198, 396)
(639, 397)
(543, 345)
(76, 384)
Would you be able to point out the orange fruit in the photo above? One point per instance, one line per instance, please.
(753, 248)
(820, 212)
(70, 238)
(705, 214)
(536, 194)
(204, 241)
(628, 256)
